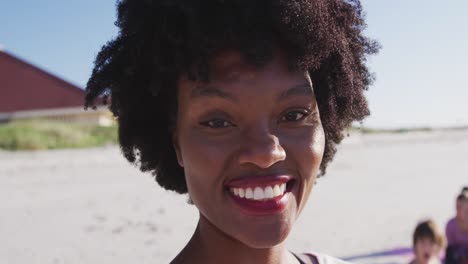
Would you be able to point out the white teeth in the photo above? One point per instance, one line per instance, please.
(260, 193)
(248, 193)
(241, 193)
(268, 192)
(283, 187)
(276, 191)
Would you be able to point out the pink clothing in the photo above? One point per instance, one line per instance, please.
(455, 236)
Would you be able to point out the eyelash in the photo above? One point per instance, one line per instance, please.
(304, 114)
(207, 123)
(219, 123)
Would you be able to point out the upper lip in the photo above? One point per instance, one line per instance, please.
(265, 180)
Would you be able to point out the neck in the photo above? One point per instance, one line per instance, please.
(210, 245)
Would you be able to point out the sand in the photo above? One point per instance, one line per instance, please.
(91, 206)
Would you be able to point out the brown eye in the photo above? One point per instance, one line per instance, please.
(294, 116)
(217, 123)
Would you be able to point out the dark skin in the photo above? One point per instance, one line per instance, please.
(246, 122)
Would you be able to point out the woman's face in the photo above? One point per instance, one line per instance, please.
(250, 141)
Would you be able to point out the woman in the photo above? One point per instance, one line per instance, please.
(240, 104)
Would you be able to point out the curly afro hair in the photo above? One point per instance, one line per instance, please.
(159, 40)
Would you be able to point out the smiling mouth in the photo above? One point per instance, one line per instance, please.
(261, 195)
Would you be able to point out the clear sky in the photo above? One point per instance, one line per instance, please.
(422, 70)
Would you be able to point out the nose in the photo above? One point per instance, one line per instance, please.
(261, 148)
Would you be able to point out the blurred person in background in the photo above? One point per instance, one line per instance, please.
(457, 231)
(428, 242)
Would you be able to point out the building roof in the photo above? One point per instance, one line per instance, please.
(25, 87)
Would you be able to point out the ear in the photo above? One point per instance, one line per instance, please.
(175, 143)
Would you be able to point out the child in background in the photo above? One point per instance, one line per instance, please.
(427, 243)
(457, 231)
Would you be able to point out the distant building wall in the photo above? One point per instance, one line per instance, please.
(28, 92)
(26, 87)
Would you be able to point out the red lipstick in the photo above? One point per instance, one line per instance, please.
(279, 193)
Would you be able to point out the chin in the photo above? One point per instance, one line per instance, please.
(264, 240)
(263, 244)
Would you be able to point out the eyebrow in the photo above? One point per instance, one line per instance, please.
(304, 89)
(209, 91)
(301, 90)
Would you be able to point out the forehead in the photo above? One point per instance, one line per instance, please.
(231, 74)
(425, 239)
(231, 66)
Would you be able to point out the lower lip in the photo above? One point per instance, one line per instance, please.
(267, 207)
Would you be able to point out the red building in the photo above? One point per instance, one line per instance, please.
(27, 91)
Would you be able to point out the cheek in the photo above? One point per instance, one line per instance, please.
(204, 161)
(420, 249)
(308, 151)
(198, 155)
(316, 149)
(318, 144)
(436, 249)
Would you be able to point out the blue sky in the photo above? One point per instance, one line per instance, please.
(422, 70)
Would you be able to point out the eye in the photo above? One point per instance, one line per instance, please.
(294, 116)
(217, 123)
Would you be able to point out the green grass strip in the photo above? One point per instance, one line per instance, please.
(43, 134)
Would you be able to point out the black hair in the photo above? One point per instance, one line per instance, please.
(159, 40)
(463, 196)
(428, 229)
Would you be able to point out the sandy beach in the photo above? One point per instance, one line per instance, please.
(91, 206)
